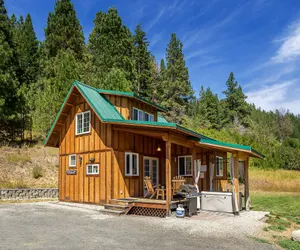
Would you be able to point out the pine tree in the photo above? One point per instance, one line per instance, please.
(63, 30)
(162, 66)
(110, 47)
(9, 108)
(143, 63)
(156, 89)
(51, 89)
(235, 102)
(27, 55)
(176, 84)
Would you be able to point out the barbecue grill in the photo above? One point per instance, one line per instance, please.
(190, 194)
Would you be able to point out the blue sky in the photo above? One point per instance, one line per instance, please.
(258, 40)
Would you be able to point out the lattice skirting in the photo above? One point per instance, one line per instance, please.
(147, 211)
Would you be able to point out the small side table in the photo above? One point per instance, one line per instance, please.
(160, 193)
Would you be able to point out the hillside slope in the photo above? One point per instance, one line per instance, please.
(19, 165)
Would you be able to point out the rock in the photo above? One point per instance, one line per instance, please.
(296, 235)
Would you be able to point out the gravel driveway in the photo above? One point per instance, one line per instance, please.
(50, 225)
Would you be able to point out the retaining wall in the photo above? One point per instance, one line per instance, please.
(28, 193)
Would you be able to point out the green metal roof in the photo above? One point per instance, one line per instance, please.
(107, 112)
(231, 145)
(132, 95)
(101, 105)
(161, 119)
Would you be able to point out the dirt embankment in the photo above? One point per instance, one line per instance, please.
(28, 167)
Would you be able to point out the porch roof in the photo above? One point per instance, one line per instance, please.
(229, 146)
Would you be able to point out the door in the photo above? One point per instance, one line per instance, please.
(151, 170)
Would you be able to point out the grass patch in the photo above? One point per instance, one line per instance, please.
(284, 216)
(279, 204)
(17, 158)
(277, 223)
(15, 184)
(260, 240)
(289, 244)
(274, 180)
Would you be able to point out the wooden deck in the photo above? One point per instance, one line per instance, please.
(149, 203)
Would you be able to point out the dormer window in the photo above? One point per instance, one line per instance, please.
(140, 115)
(83, 121)
(148, 117)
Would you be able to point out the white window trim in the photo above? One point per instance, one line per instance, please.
(130, 162)
(82, 113)
(87, 173)
(70, 157)
(185, 156)
(143, 114)
(221, 158)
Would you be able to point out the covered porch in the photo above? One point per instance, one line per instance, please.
(170, 149)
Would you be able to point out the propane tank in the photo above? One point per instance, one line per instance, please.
(180, 211)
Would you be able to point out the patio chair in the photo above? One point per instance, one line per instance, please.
(224, 185)
(177, 181)
(153, 191)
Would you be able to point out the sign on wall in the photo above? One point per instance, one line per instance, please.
(203, 168)
(71, 172)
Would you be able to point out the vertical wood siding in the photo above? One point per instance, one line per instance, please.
(96, 144)
(125, 105)
(108, 146)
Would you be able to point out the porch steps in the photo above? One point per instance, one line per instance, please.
(116, 207)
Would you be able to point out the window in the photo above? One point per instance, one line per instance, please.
(140, 115)
(219, 166)
(92, 169)
(148, 117)
(131, 164)
(83, 121)
(185, 165)
(72, 160)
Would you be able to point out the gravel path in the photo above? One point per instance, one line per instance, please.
(47, 225)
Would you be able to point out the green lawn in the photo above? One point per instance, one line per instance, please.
(285, 215)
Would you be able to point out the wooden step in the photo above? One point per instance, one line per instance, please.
(116, 207)
(112, 212)
(120, 202)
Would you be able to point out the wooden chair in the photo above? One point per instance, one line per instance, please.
(150, 189)
(176, 183)
(224, 185)
(153, 190)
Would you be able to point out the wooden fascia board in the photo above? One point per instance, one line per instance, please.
(231, 150)
(142, 132)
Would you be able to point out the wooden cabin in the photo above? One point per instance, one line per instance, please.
(109, 141)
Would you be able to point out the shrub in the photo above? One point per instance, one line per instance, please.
(37, 172)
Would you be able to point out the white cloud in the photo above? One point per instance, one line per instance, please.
(155, 39)
(156, 19)
(290, 45)
(169, 9)
(275, 96)
(271, 76)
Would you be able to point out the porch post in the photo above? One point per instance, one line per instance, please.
(168, 177)
(236, 179)
(194, 157)
(247, 193)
